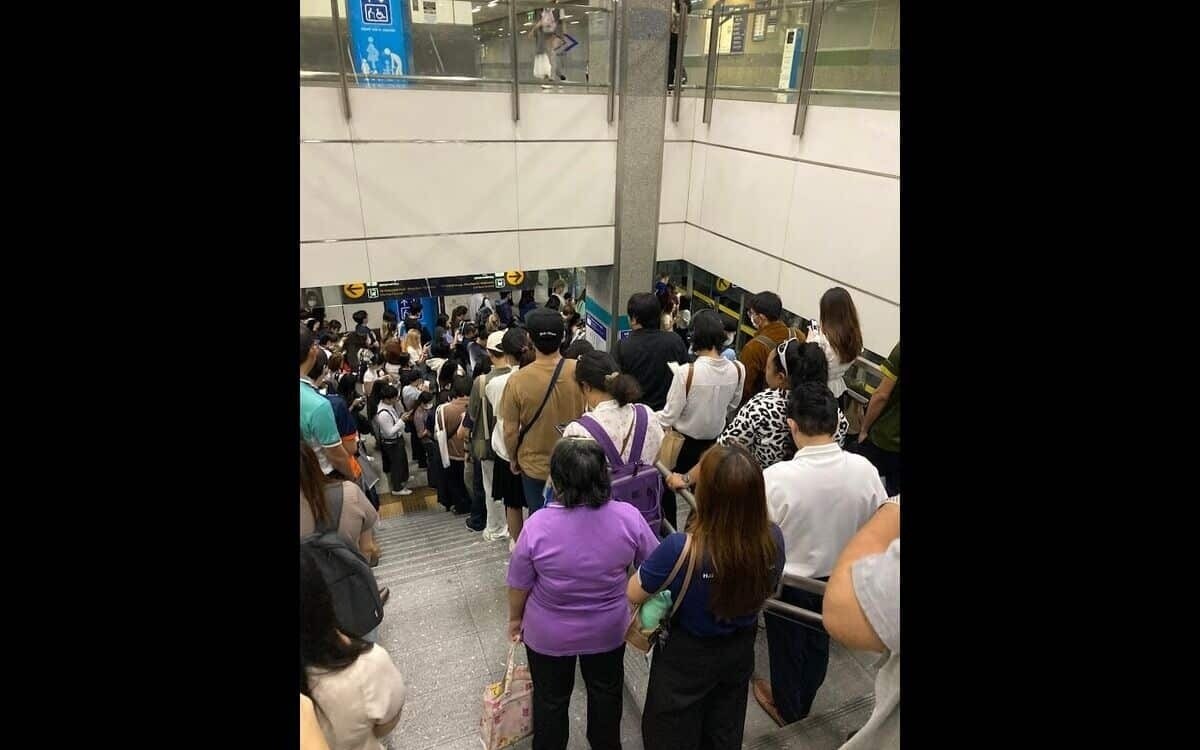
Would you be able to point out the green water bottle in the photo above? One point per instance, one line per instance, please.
(655, 608)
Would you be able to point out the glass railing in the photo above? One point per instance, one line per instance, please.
(761, 46)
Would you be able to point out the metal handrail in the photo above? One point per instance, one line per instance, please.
(613, 44)
(811, 585)
(710, 76)
(677, 79)
(337, 44)
(512, 35)
(808, 64)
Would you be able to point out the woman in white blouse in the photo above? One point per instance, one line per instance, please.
(412, 344)
(839, 336)
(358, 692)
(701, 397)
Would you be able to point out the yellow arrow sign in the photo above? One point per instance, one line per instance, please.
(514, 278)
(355, 290)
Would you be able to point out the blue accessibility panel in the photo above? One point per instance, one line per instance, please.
(379, 42)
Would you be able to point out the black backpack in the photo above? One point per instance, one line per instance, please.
(351, 583)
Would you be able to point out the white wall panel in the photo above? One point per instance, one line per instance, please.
(676, 181)
(746, 197)
(569, 117)
(685, 129)
(846, 225)
(566, 184)
(321, 112)
(558, 248)
(747, 268)
(420, 188)
(801, 292)
(386, 114)
(333, 264)
(329, 206)
(670, 242)
(696, 183)
(445, 255)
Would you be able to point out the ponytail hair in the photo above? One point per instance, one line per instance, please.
(806, 363)
(599, 371)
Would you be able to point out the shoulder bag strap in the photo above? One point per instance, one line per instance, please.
(741, 374)
(683, 556)
(687, 386)
(333, 502)
(600, 435)
(687, 579)
(553, 382)
(640, 423)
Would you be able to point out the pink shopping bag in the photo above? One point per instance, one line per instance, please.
(507, 707)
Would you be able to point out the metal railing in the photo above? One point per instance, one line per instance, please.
(799, 615)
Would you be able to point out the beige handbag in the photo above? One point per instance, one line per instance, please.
(673, 439)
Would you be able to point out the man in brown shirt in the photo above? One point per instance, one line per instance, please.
(765, 309)
(523, 395)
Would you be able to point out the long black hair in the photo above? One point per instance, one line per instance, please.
(599, 371)
(321, 643)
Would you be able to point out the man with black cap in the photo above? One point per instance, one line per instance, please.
(537, 400)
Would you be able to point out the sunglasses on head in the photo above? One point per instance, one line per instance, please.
(781, 350)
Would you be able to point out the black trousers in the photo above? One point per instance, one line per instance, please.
(418, 450)
(478, 501)
(697, 692)
(437, 475)
(886, 463)
(456, 487)
(553, 681)
(799, 657)
(689, 455)
(395, 462)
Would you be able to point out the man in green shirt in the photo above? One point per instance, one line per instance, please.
(879, 437)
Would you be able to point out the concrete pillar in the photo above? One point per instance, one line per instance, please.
(642, 85)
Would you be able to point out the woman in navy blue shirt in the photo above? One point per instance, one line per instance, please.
(700, 676)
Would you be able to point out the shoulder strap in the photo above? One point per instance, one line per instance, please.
(687, 580)
(549, 390)
(481, 381)
(600, 435)
(640, 423)
(741, 374)
(683, 556)
(333, 502)
(766, 341)
(687, 386)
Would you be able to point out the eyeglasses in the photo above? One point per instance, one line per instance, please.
(781, 350)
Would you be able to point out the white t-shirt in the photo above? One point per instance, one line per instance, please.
(837, 368)
(716, 389)
(617, 421)
(353, 700)
(820, 499)
(494, 390)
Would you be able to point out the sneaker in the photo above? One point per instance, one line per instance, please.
(490, 536)
(472, 527)
(402, 491)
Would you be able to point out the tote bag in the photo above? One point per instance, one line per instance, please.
(507, 707)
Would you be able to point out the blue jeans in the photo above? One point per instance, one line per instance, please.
(533, 492)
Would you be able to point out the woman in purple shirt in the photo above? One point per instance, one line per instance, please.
(566, 595)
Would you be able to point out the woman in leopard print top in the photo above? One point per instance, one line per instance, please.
(761, 424)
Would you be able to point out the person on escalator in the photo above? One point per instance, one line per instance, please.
(820, 499)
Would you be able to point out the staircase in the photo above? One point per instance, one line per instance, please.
(445, 628)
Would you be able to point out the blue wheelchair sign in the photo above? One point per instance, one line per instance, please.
(376, 11)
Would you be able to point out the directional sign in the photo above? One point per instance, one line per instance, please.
(355, 290)
(562, 50)
(514, 278)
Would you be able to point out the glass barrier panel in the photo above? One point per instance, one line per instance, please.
(564, 47)
(761, 47)
(318, 46)
(695, 61)
(859, 53)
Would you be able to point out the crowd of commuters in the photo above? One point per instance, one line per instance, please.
(782, 491)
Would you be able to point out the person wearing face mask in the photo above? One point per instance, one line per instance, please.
(765, 310)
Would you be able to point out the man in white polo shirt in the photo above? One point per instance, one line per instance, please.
(819, 499)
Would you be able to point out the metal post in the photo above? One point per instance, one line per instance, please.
(710, 81)
(337, 44)
(678, 82)
(807, 64)
(512, 28)
(614, 17)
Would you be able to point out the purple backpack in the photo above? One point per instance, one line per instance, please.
(633, 482)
